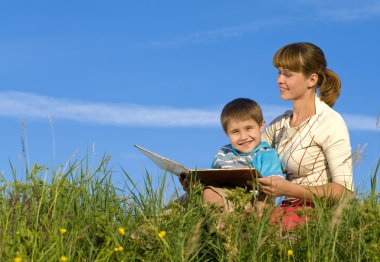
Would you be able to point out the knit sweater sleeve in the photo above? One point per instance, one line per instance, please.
(334, 139)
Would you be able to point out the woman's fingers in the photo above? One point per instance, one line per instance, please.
(265, 181)
(266, 189)
(270, 180)
(271, 185)
(268, 185)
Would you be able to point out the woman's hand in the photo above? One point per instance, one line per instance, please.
(273, 185)
(276, 186)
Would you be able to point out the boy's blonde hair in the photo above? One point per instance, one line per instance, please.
(241, 109)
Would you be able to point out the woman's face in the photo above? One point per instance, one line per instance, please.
(293, 85)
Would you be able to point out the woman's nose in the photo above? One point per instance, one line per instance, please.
(280, 79)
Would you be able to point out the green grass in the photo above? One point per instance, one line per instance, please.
(35, 214)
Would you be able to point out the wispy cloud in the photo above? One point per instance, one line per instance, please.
(33, 106)
(317, 11)
(350, 11)
(221, 33)
(27, 105)
(362, 122)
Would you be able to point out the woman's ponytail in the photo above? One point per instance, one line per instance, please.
(329, 89)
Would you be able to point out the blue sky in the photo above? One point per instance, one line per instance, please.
(96, 77)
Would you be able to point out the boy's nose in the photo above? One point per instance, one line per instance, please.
(244, 135)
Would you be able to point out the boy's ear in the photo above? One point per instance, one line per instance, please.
(262, 126)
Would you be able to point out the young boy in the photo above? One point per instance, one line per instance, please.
(243, 123)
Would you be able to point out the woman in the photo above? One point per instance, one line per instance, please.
(312, 140)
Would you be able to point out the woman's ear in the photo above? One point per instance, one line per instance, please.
(313, 80)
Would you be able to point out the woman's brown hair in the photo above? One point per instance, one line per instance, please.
(308, 59)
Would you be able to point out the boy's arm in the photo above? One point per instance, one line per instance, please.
(268, 163)
(215, 162)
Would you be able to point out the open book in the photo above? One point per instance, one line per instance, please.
(239, 177)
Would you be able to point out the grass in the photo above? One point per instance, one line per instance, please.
(75, 213)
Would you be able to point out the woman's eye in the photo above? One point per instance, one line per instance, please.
(284, 74)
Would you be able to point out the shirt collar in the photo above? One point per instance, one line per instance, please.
(319, 105)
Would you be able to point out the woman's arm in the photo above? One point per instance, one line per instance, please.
(277, 186)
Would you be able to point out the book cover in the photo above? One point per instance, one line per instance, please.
(236, 177)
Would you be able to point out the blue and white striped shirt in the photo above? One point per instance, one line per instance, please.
(264, 158)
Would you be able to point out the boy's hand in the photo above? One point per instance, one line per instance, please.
(183, 179)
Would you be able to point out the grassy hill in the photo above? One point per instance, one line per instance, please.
(74, 213)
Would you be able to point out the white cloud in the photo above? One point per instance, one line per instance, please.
(317, 11)
(17, 104)
(361, 122)
(338, 10)
(32, 106)
(349, 12)
(217, 34)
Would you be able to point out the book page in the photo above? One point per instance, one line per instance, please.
(234, 177)
(164, 163)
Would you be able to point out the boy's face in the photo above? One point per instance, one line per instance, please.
(244, 135)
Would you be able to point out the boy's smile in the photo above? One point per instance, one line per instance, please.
(244, 135)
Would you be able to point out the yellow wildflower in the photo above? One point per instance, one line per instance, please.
(17, 259)
(119, 249)
(121, 231)
(162, 234)
(63, 259)
(62, 231)
(290, 252)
